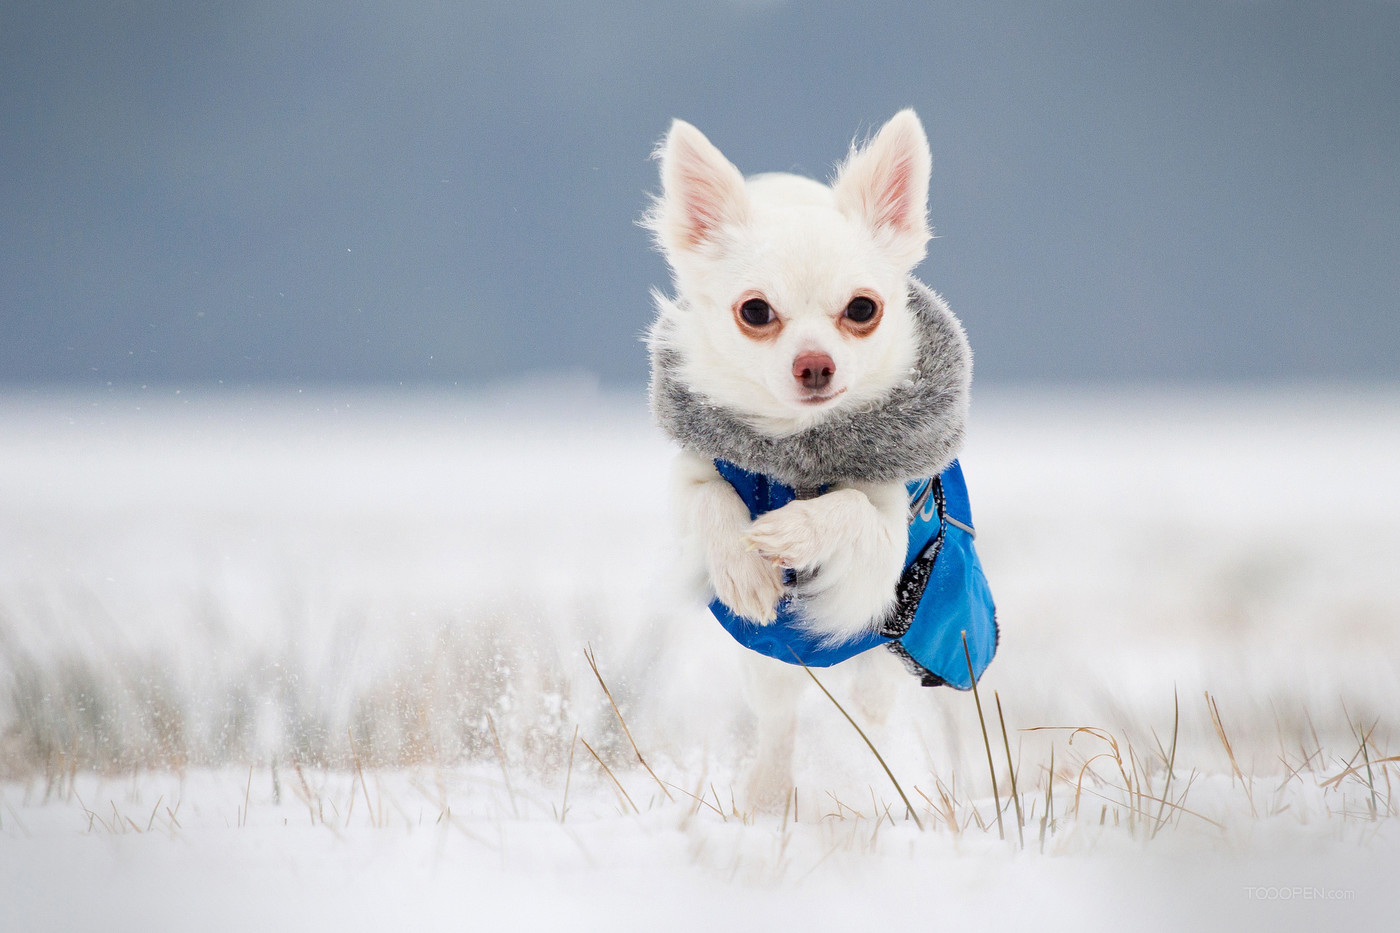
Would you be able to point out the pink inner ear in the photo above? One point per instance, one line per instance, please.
(705, 191)
(703, 203)
(892, 201)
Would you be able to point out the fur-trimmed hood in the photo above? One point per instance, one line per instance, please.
(914, 431)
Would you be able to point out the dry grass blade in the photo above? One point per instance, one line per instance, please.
(306, 791)
(1047, 819)
(1102, 735)
(359, 773)
(247, 792)
(908, 807)
(1230, 751)
(1366, 756)
(616, 783)
(1011, 768)
(1139, 810)
(1087, 768)
(1305, 761)
(593, 663)
(501, 757)
(1174, 806)
(948, 812)
(152, 821)
(14, 817)
(1363, 752)
(986, 742)
(568, 777)
(701, 801)
(1171, 763)
(1356, 770)
(719, 804)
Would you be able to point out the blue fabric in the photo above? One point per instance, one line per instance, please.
(956, 598)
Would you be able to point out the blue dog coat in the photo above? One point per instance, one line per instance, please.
(941, 595)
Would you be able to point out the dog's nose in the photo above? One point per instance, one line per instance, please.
(813, 370)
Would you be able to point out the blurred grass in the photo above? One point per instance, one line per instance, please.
(232, 582)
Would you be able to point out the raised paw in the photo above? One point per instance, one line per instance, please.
(791, 537)
(748, 584)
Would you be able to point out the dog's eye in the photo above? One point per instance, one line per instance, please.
(861, 309)
(756, 312)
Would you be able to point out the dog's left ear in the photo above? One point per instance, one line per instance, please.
(885, 185)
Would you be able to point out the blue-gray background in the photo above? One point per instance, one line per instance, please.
(446, 192)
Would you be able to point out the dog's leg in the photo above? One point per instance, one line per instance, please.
(772, 689)
(874, 678)
(713, 521)
(852, 541)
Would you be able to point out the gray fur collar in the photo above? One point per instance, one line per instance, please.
(914, 431)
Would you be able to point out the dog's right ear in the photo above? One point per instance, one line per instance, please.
(702, 193)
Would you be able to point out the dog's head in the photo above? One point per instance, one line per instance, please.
(793, 294)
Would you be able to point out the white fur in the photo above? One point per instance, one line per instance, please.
(807, 249)
(714, 521)
(856, 538)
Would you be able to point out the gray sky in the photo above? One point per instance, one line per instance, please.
(307, 192)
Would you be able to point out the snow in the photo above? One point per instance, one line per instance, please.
(257, 651)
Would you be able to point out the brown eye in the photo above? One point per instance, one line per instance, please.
(756, 312)
(861, 309)
(861, 316)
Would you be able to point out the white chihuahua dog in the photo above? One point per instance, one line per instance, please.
(794, 305)
(795, 314)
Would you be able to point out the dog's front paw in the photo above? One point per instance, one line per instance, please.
(748, 584)
(857, 545)
(791, 537)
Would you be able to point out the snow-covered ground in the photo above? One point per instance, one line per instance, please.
(317, 660)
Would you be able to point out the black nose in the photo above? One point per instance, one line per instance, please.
(814, 371)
